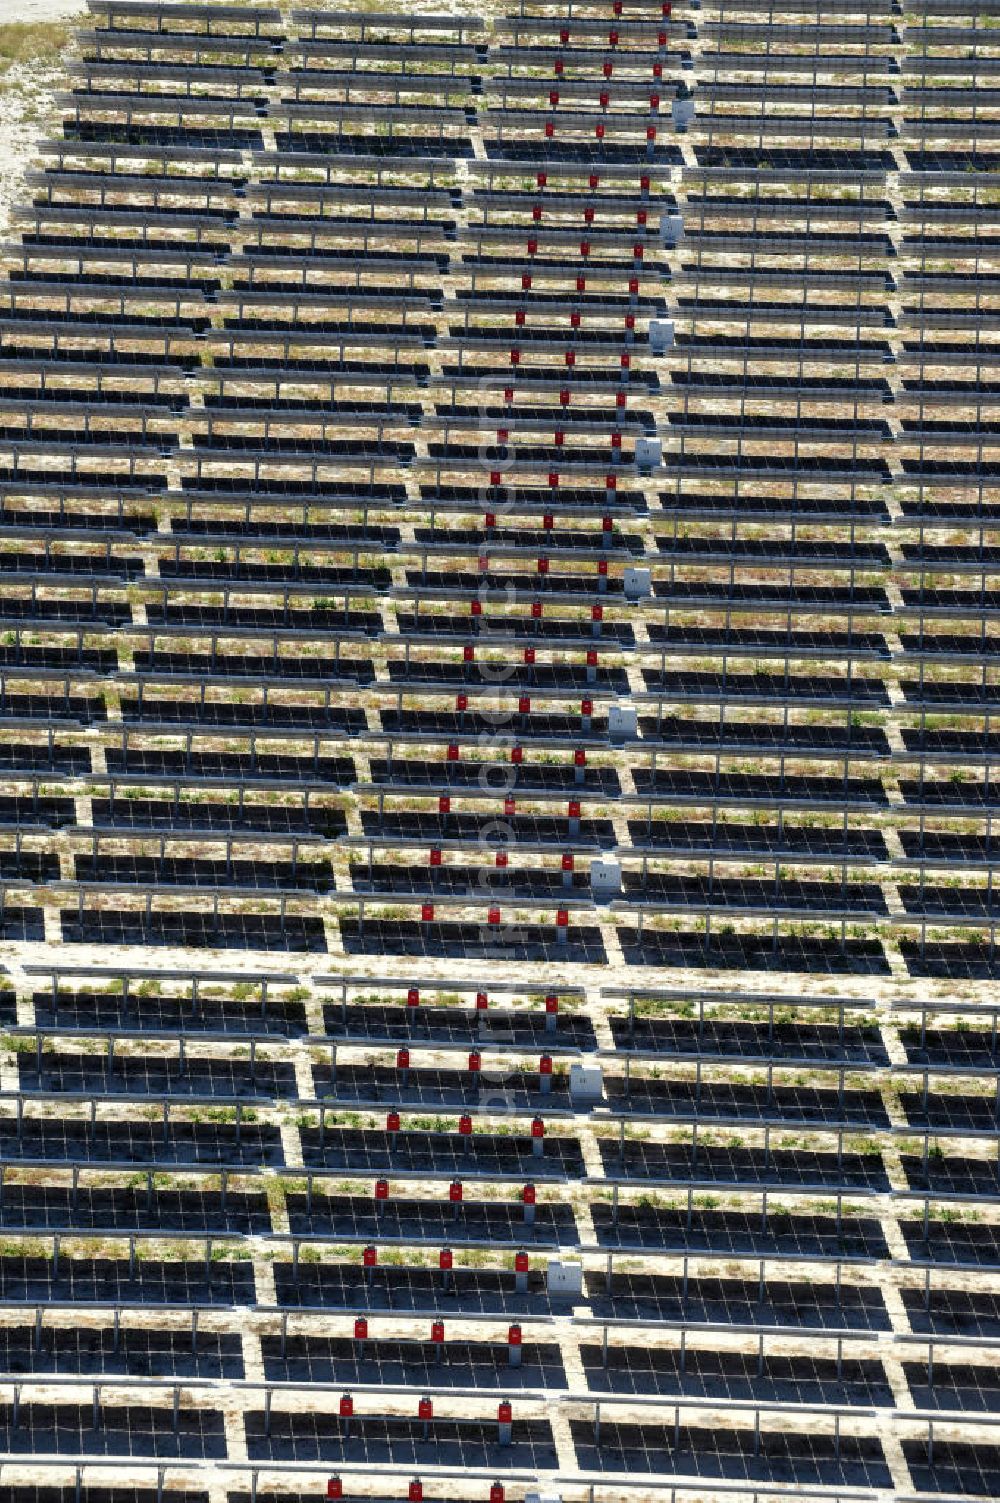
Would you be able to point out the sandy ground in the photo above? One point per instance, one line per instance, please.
(25, 101)
(40, 10)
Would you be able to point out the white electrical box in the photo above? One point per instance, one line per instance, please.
(605, 878)
(539, 1497)
(648, 453)
(565, 1278)
(586, 1085)
(682, 113)
(637, 583)
(671, 228)
(661, 335)
(623, 723)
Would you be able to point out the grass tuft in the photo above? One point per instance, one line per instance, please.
(32, 42)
